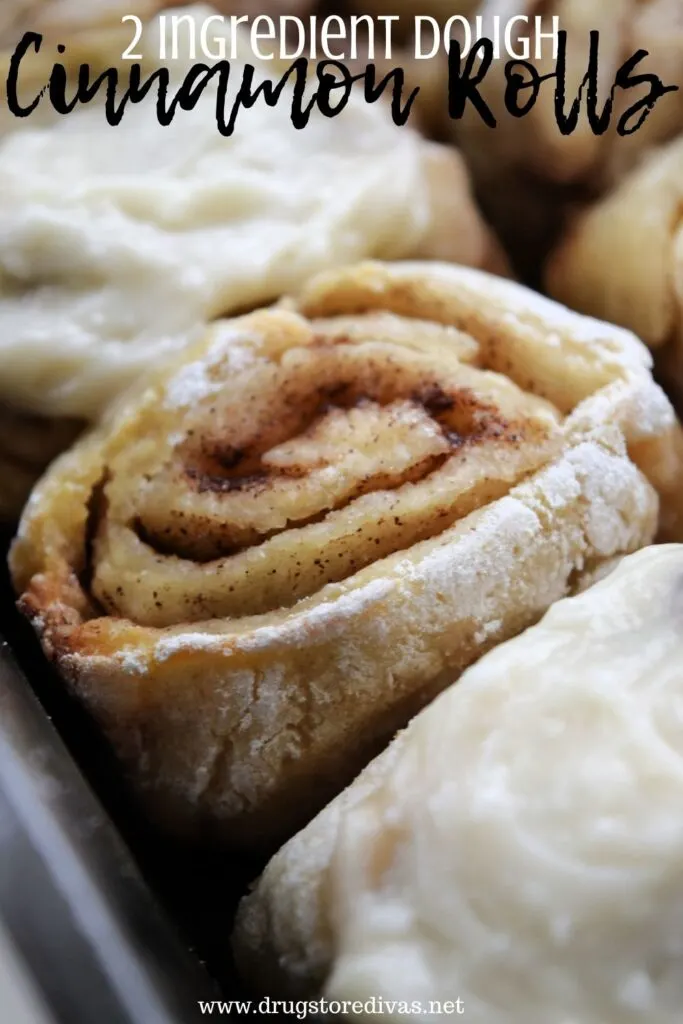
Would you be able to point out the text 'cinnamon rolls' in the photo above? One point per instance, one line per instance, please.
(284, 542)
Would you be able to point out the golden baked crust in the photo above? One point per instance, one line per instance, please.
(519, 845)
(622, 259)
(518, 316)
(286, 541)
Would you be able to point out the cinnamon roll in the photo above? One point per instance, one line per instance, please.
(117, 247)
(518, 847)
(284, 542)
(625, 26)
(530, 176)
(622, 259)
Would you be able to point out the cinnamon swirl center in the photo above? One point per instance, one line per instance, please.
(307, 464)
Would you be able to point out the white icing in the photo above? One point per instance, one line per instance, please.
(538, 869)
(117, 244)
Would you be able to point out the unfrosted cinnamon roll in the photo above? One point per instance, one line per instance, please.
(622, 259)
(529, 175)
(518, 847)
(289, 538)
(625, 26)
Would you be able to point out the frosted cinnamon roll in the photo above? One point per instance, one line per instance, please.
(118, 246)
(622, 259)
(518, 847)
(284, 542)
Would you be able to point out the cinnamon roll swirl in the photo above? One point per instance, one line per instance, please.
(284, 542)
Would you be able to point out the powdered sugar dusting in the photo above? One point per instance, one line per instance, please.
(487, 630)
(190, 385)
(131, 661)
(635, 404)
(326, 615)
(195, 382)
(189, 641)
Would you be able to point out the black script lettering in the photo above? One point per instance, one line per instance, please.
(334, 86)
(462, 85)
(599, 121)
(186, 97)
(624, 80)
(567, 123)
(136, 92)
(247, 96)
(374, 90)
(328, 82)
(57, 91)
(193, 86)
(31, 39)
(87, 90)
(643, 107)
(517, 83)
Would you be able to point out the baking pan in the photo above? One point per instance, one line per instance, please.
(115, 923)
(88, 930)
